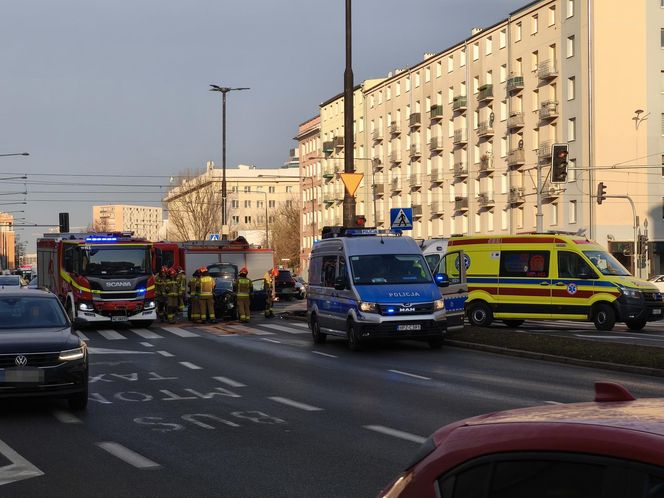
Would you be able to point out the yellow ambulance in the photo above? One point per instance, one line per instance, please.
(552, 277)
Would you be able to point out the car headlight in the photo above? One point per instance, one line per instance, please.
(438, 304)
(72, 354)
(85, 307)
(631, 293)
(149, 305)
(368, 307)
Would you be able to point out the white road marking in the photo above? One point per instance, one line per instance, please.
(301, 325)
(128, 456)
(115, 351)
(166, 354)
(396, 433)
(145, 333)
(82, 335)
(18, 469)
(179, 332)
(66, 417)
(409, 374)
(607, 336)
(325, 354)
(270, 340)
(554, 403)
(190, 365)
(295, 404)
(147, 344)
(248, 330)
(230, 382)
(111, 335)
(283, 329)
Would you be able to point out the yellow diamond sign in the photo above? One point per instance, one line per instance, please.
(351, 181)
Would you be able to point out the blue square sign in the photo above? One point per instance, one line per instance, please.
(401, 218)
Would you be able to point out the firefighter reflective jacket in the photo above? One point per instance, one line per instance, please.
(243, 287)
(206, 286)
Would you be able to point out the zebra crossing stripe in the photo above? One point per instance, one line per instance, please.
(179, 332)
(283, 329)
(146, 334)
(111, 335)
(248, 330)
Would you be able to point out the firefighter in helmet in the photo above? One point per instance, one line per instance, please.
(161, 292)
(206, 296)
(242, 288)
(268, 280)
(194, 305)
(182, 290)
(173, 287)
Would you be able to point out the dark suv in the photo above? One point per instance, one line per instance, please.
(284, 285)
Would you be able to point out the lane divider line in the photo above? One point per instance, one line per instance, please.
(409, 375)
(396, 433)
(66, 417)
(128, 456)
(229, 382)
(295, 404)
(325, 354)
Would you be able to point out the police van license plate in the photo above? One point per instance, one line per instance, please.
(409, 326)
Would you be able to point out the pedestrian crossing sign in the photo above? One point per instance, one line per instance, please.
(401, 218)
(214, 236)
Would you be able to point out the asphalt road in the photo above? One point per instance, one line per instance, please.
(258, 410)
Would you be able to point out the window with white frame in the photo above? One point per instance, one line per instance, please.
(517, 32)
(476, 51)
(502, 38)
(503, 183)
(571, 129)
(478, 222)
(476, 84)
(388, 93)
(417, 79)
(450, 63)
(462, 58)
(552, 15)
(503, 219)
(397, 88)
(534, 24)
(427, 74)
(554, 213)
(439, 69)
(503, 73)
(571, 88)
(572, 212)
(407, 84)
(534, 60)
(570, 46)
(503, 110)
(450, 95)
(570, 8)
(488, 45)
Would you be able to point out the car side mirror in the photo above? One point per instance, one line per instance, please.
(442, 280)
(340, 283)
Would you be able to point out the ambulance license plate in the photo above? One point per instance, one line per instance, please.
(409, 326)
(657, 311)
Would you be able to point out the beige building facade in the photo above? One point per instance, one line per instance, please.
(463, 136)
(310, 154)
(144, 221)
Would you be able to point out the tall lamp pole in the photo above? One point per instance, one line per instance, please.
(349, 200)
(224, 90)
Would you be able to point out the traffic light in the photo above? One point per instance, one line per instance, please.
(642, 244)
(601, 192)
(64, 222)
(559, 154)
(360, 220)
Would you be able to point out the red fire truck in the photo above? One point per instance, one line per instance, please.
(99, 277)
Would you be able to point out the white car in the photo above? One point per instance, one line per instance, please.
(658, 280)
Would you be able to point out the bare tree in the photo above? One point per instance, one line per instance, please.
(194, 206)
(285, 232)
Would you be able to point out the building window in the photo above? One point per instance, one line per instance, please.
(407, 84)
(235, 203)
(552, 15)
(572, 211)
(260, 204)
(439, 69)
(503, 38)
(570, 8)
(247, 189)
(517, 32)
(271, 204)
(503, 73)
(554, 213)
(570, 46)
(571, 129)
(271, 190)
(488, 45)
(247, 219)
(450, 63)
(571, 170)
(534, 24)
(388, 95)
(289, 189)
(427, 74)
(247, 204)
(236, 219)
(397, 88)
(571, 88)
(462, 58)
(476, 51)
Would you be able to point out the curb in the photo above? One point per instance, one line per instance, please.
(559, 359)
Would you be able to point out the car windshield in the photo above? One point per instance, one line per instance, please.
(117, 260)
(10, 280)
(219, 270)
(390, 269)
(606, 264)
(222, 284)
(30, 313)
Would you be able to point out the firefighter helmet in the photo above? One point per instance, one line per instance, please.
(244, 271)
(275, 272)
(203, 269)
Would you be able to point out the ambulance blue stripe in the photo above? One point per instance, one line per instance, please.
(537, 281)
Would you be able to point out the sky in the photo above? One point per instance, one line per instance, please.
(111, 100)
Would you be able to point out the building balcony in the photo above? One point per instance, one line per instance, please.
(395, 157)
(485, 200)
(485, 129)
(460, 137)
(548, 110)
(328, 147)
(460, 103)
(377, 135)
(395, 129)
(329, 198)
(547, 70)
(516, 157)
(329, 172)
(436, 144)
(544, 150)
(437, 175)
(550, 191)
(437, 208)
(377, 164)
(436, 112)
(415, 120)
(417, 210)
(396, 184)
(516, 196)
(486, 164)
(415, 181)
(515, 121)
(415, 150)
(380, 188)
(514, 83)
(460, 170)
(485, 93)
(461, 203)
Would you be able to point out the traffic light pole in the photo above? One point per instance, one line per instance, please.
(539, 216)
(635, 226)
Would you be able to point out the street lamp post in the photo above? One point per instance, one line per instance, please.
(349, 200)
(224, 90)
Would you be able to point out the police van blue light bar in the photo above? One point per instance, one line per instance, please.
(331, 232)
(101, 239)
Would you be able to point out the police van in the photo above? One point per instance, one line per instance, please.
(370, 284)
(552, 277)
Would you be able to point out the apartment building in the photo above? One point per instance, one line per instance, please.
(310, 154)
(463, 136)
(253, 196)
(144, 221)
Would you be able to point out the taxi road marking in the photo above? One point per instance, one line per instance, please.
(18, 469)
(128, 456)
(396, 433)
(295, 404)
(409, 374)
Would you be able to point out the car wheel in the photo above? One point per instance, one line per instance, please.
(635, 324)
(604, 317)
(435, 342)
(144, 324)
(79, 402)
(479, 314)
(513, 323)
(316, 334)
(354, 341)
